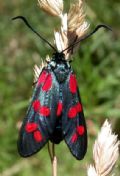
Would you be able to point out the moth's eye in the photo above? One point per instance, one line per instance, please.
(53, 64)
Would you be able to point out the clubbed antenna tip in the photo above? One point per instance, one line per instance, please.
(28, 25)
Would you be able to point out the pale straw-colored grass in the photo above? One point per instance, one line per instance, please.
(73, 23)
(52, 7)
(105, 152)
(37, 70)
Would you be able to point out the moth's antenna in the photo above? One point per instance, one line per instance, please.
(26, 22)
(88, 35)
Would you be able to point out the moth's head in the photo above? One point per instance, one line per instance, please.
(59, 56)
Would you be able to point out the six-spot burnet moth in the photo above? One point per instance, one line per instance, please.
(55, 112)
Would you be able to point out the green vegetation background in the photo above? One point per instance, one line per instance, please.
(97, 66)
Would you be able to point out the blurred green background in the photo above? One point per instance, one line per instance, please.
(97, 66)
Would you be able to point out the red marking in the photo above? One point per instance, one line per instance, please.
(59, 108)
(80, 130)
(48, 83)
(73, 84)
(72, 112)
(78, 107)
(31, 127)
(44, 111)
(36, 105)
(37, 136)
(74, 137)
(42, 78)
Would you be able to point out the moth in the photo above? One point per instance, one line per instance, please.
(55, 112)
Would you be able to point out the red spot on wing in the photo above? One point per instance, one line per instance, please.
(80, 130)
(37, 136)
(42, 78)
(48, 83)
(78, 107)
(73, 84)
(44, 111)
(36, 105)
(74, 137)
(31, 127)
(72, 112)
(59, 108)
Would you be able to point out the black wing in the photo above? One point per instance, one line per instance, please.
(39, 122)
(73, 121)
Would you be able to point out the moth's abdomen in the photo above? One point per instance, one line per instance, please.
(57, 135)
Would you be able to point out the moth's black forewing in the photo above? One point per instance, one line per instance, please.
(40, 120)
(73, 123)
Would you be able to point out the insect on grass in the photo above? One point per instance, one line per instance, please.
(55, 112)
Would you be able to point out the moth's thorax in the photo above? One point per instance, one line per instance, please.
(60, 67)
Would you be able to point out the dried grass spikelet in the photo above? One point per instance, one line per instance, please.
(76, 18)
(73, 24)
(61, 39)
(37, 70)
(105, 152)
(91, 171)
(73, 27)
(52, 7)
(77, 25)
